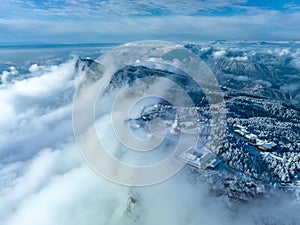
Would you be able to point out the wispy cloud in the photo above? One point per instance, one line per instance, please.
(268, 25)
(123, 8)
(112, 20)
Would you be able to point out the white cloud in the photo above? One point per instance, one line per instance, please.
(239, 58)
(57, 189)
(219, 54)
(241, 78)
(6, 74)
(296, 58)
(101, 25)
(33, 68)
(36, 108)
(171, 28)
(124, 8)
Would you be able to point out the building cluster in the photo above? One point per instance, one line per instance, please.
(200, 161)
(263, 145)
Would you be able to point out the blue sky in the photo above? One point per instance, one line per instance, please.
(69, 21)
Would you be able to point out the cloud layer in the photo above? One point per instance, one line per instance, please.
(119, 21)
(266, 26)
(124, 8)
(45, 181)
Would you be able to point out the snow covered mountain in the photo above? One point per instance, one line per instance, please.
(261, 86)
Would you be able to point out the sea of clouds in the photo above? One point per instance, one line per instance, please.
(44, 180)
